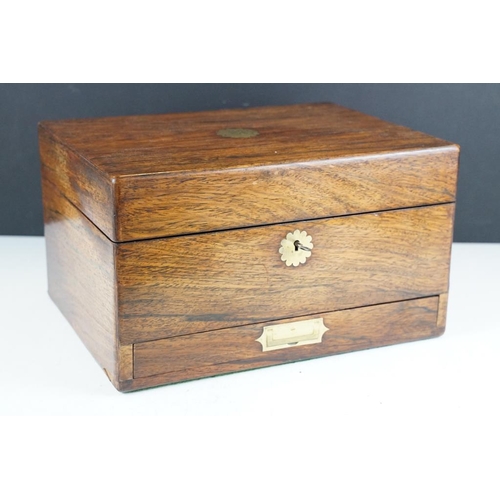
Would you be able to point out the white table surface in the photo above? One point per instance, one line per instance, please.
(416, 420)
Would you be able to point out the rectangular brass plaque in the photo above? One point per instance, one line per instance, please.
(309, 331)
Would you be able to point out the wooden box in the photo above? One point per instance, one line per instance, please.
(188, 245)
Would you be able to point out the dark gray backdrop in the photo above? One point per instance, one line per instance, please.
(466, 114)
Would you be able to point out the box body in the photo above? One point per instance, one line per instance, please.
(190, 245)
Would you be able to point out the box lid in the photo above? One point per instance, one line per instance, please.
(139, 177)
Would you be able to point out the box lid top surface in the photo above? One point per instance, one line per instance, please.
(142, 177)
(212, 140)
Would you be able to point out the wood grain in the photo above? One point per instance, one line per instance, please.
(81, 277)
(165, 204)
(126, 362)
(236, 349)
(82, 282)
(165, 175)
(89, 189)
(188, 142)
(190, 284)
(162, 237)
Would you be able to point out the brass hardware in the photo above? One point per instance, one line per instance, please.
(237, 133)
(309, 331)
(296, 248)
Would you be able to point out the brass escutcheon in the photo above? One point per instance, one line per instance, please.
(296, 248)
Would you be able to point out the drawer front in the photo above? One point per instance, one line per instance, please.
(235, 349)
(198, 283)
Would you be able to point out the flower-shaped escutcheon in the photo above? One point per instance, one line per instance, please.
(296, 248)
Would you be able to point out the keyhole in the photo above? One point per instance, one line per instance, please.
(299, 246)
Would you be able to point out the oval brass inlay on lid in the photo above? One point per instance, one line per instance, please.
(237, 133)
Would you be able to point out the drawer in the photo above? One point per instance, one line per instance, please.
(235, 349)
(220, 280)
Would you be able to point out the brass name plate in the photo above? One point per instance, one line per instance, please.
(309, 331)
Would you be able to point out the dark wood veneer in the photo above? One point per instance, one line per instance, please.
(162, 236)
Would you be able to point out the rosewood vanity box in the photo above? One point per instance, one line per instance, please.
(188, 245)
